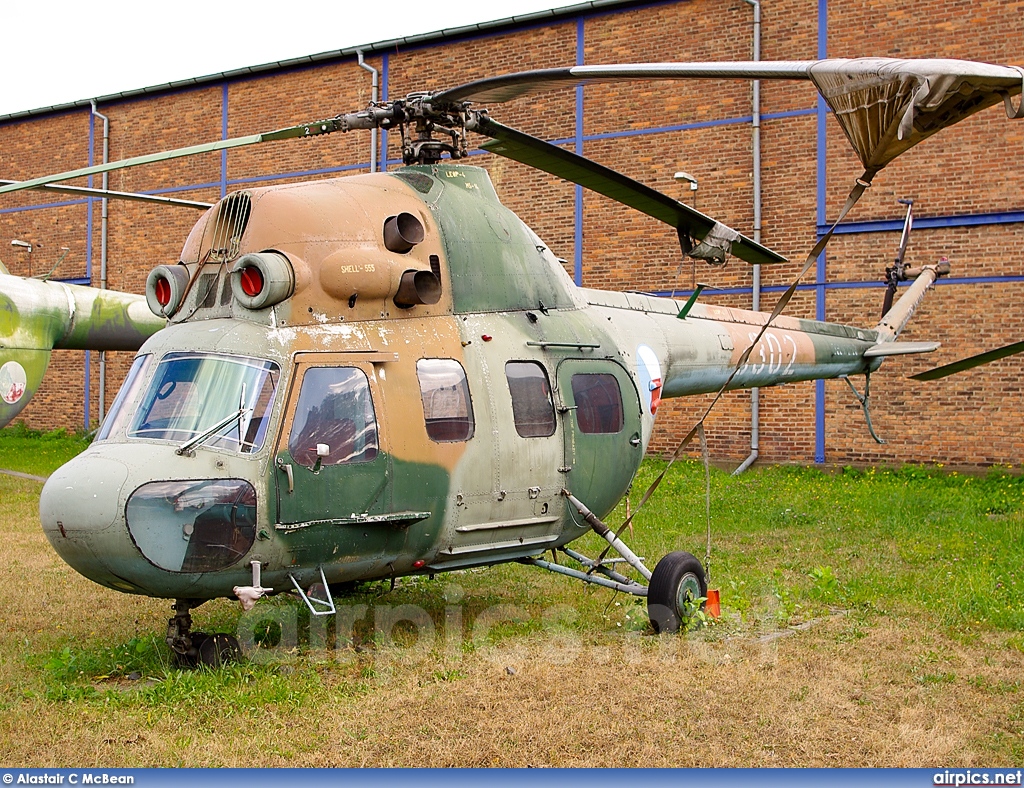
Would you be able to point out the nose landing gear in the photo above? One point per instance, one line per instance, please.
(192, 649)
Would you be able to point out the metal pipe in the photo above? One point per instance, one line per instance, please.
(628, 588)
(375, 85)
(896, 318)
(608, 535)
(103, 252)
(591, 564)
(755, 394)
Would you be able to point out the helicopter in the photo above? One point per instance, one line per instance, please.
(391, 374)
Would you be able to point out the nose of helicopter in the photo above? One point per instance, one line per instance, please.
(82, 514)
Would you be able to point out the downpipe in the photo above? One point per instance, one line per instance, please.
(374, 88)
(103, 253)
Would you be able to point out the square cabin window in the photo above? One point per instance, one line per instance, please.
(447, 408)
(598, 403)
(532, 410)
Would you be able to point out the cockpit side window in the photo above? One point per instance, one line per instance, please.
(119, 413)
(447, 407)
(335, 409)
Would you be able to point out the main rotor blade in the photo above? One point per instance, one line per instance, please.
(496, 90)
(152, 198)
(885, 106)
(552, 159)
(292, 132)
(969, 363)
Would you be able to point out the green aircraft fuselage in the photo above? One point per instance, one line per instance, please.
(326, 399)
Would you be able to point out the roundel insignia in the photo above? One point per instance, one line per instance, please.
(649, 372)
(13, 382)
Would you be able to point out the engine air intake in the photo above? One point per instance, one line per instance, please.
(262, 280)
(165, 289)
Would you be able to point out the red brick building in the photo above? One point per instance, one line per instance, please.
(967, 185)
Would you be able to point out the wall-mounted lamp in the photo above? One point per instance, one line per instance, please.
(686, 177)
(22, 244)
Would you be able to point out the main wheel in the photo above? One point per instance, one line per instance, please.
(218, 649)
(676, 582)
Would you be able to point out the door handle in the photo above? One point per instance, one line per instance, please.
(287, 468)
(634, 441)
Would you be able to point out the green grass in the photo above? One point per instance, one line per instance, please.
(942, 552)
(38, 453)
(788, 544)
(793, 540)
(944, 544)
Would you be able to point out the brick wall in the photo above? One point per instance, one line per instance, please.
(648, 131)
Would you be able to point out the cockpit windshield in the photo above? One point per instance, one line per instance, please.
(190, 393)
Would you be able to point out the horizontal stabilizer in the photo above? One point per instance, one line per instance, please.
(900, 349)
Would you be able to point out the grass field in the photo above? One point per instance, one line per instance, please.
(870, 618)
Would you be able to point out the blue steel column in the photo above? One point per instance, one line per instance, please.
(578, 200)
(820, 274)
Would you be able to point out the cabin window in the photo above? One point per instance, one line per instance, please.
(532, 409)
(335, 410)
(447, 408)
(192, 393)
(598, 403)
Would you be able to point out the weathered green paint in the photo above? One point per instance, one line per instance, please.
(418, 486)
(33, 363)
(600, 466)
(421, 504)
(497, 263)
(37, 315)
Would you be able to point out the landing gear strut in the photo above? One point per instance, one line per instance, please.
(198, 648)
(676, 589)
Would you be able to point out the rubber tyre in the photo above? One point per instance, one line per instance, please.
(677, 576)
(218, 649)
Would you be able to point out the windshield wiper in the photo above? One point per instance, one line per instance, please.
(187, 446)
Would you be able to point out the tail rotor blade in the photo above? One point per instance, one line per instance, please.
(969, 363)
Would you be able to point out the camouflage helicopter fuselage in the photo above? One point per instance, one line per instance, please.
(374, 440)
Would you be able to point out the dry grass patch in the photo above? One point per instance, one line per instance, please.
(911, 655)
